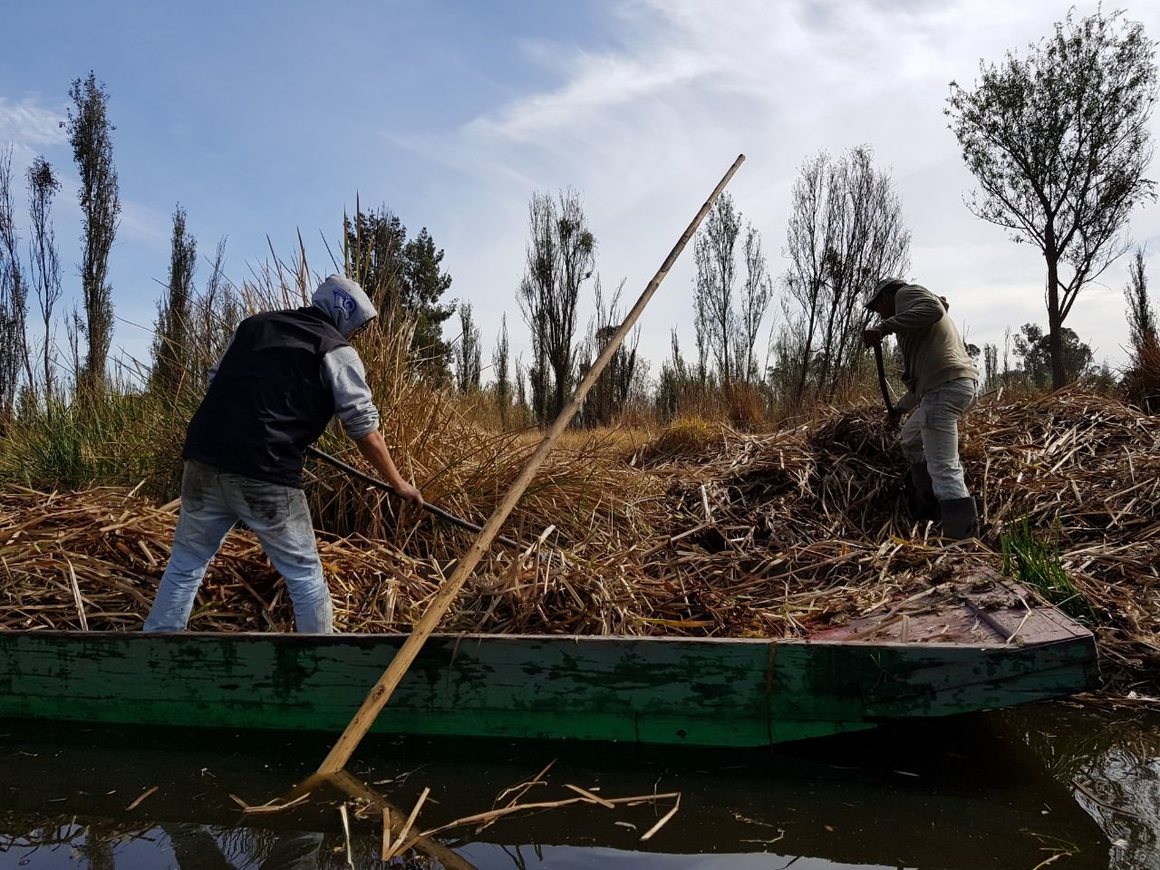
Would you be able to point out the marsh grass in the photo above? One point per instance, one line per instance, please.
(1035, 562)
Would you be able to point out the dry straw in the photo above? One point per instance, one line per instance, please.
(701, 531)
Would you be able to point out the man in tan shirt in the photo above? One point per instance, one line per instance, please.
(942, 383)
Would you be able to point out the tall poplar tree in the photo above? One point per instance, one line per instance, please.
(90, 134)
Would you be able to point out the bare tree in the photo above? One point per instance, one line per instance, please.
(44, 268)
(727, 319)
(521, 385)
(89, 132)
(609, 395)
(990, 365)
(675, 380)
(173, 352)
(466, 352)
(217, 311)
(14, 350)
(812, 226)
(845, 232)
(714, 252)
(501, 364)
(561, 254)
(1059, 142)
(756, 293)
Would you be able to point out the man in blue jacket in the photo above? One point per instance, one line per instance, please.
(282, 379)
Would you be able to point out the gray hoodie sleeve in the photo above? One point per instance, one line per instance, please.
(343, 371)
(915, 308)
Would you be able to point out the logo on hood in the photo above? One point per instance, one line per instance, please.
(344, 302)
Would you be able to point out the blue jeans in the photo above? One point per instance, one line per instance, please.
(931, 435)
(211, 502)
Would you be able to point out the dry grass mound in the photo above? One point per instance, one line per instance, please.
(720, 533)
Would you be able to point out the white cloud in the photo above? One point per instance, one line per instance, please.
(644, 128)
(145, 223)
(28, 125)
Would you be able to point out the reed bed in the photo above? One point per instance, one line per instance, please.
(701, 530)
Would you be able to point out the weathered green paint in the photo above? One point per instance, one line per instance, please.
(705, 692)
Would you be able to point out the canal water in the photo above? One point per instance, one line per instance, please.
(1052, 786)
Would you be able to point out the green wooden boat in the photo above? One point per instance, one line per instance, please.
(981, 646)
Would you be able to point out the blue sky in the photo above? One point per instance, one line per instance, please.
(265, 118)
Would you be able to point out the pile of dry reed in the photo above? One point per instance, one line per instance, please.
(703, 531)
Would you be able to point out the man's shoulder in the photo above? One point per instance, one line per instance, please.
(913, 294)
(915, 288)
(308, 318)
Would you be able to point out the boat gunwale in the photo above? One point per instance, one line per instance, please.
(1075, 633)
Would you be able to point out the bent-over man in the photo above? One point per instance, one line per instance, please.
(282, 379)
(942, 384)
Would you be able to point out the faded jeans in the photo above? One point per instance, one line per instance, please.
(211, 502)
(931, 435)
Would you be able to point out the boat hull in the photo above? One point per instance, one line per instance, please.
(704, 692)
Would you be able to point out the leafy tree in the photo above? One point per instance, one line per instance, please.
(1141, 315)
(466, 352)
(561, 255)
(172, 333)
(374, 247)
(501, 365)
(845, 232)
(1059, 142)
(1141, 381)
(89, 131)
(404, 279)
(1034, 348)
(424, 283)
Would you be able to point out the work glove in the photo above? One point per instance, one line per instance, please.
(871, 336)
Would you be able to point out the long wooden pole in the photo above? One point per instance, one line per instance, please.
(397, 669)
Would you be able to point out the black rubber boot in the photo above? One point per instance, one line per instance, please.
(960, 519)
(920, 493)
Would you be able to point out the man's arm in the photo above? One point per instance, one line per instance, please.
(916, 308)
(373, 447)
(353, 405)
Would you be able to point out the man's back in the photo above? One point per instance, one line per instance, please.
(932, 349)
(268, 399)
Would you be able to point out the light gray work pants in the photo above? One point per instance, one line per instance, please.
(931, 435)
(211, 502)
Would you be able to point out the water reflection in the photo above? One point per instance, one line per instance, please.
(196, 848)
(1111, 761)
(1007, 792)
